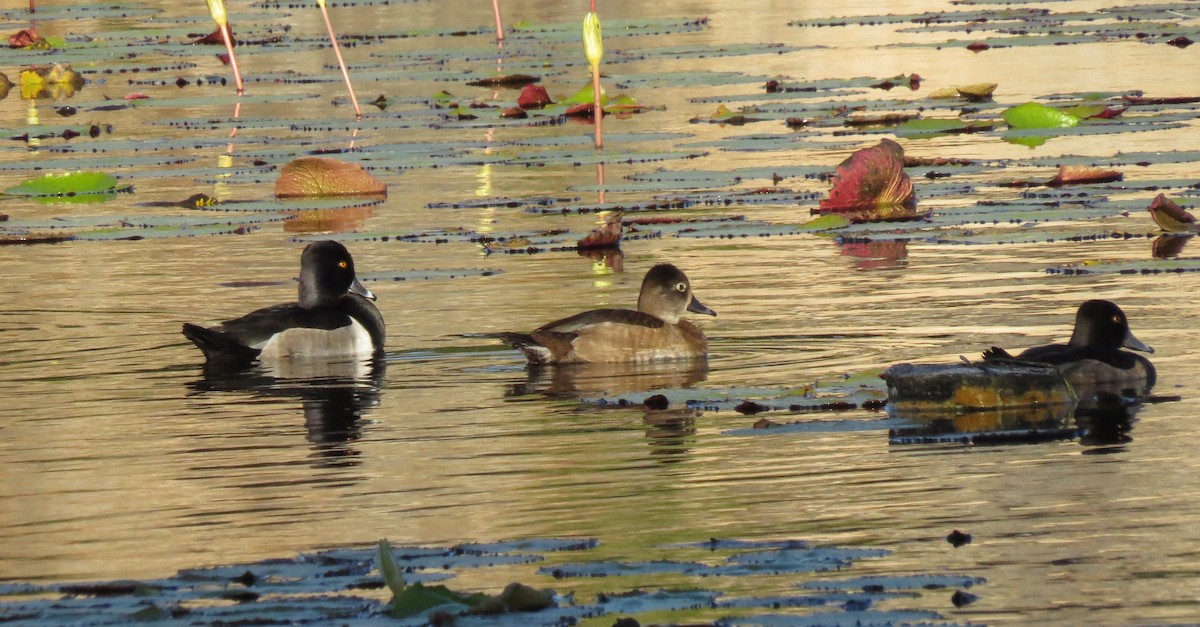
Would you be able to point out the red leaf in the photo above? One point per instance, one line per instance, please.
(1170, 216)
(1080, 174)
(533, 97)
(136, 96)
(215, 39)
(871, 179)
(514, 113)
(978, 46)
(1110, 112)
(580, 111)
(607, 236)
(24, 38)
(318, 176)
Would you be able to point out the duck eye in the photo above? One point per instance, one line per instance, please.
(681, 287)
(342, 264)
(1117, 320)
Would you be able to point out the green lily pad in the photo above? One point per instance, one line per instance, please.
(68, 184)
(1036, 115)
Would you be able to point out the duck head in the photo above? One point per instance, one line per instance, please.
(327, 274)
(667, 293)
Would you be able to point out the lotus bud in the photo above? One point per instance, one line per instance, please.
(593, 41)
(321, 3)
(217, 8)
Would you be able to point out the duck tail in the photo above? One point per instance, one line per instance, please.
(219, 348)
(994, 353)
(534, 352)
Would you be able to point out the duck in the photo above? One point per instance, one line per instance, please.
(1092, 359)
(654, 332)
(333, 317)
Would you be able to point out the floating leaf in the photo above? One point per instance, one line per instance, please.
(1080, 175)
(871, 178)
(68, 184)
(533, 97)
(977, 91)
(1170, 217)
(1036, 115)
(319, 176)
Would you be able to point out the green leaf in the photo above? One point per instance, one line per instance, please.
(68, 184)
(1084, 112)
(418, 598)
(389, 569)
(1035, 115)
(826, 222)
(584, 96)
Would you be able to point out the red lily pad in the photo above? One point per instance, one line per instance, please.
(607, 236)
(511, 80)
(318, 176)
(871, 179)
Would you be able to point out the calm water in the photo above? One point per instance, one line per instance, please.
(120, 459)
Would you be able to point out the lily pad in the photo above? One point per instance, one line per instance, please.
(68, 184)
(319, 176)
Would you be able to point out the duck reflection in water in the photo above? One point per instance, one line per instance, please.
(334, 396)
(1103, 422)
(610, 379)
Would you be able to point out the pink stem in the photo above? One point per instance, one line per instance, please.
(237, 74)
(337, 50)
(597, 111)
(499, 22)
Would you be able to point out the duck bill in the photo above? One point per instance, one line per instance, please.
(361, 290)
(1136, 344)
(698, 307)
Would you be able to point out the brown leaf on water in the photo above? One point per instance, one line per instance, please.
(533, 97)
(872, 179)
(607, 236)
(1139, 100)
(977, 92)
(887, 119)
(510, 80)
(978, 46)
(319, 176)
(1170, 217)
(1082, 174)
(514, 113)
(215, 38)
(25, 38)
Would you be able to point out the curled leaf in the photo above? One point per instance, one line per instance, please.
(977, 91)
(607, 236)
(871, 179)
(1170, 217)
(533, 97)
(27, 38)
(319, 176)
(389, 569)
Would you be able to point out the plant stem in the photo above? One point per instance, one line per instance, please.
(227, 35)
(499, 22)
(337, 50)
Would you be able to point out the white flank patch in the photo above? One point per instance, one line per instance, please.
(350, 340)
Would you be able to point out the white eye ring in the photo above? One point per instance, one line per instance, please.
(681, 286)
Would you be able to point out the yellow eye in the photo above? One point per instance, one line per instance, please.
(342, 264)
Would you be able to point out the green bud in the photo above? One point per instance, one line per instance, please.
(593, 41)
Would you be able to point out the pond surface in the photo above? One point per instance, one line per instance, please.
(121, 459)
